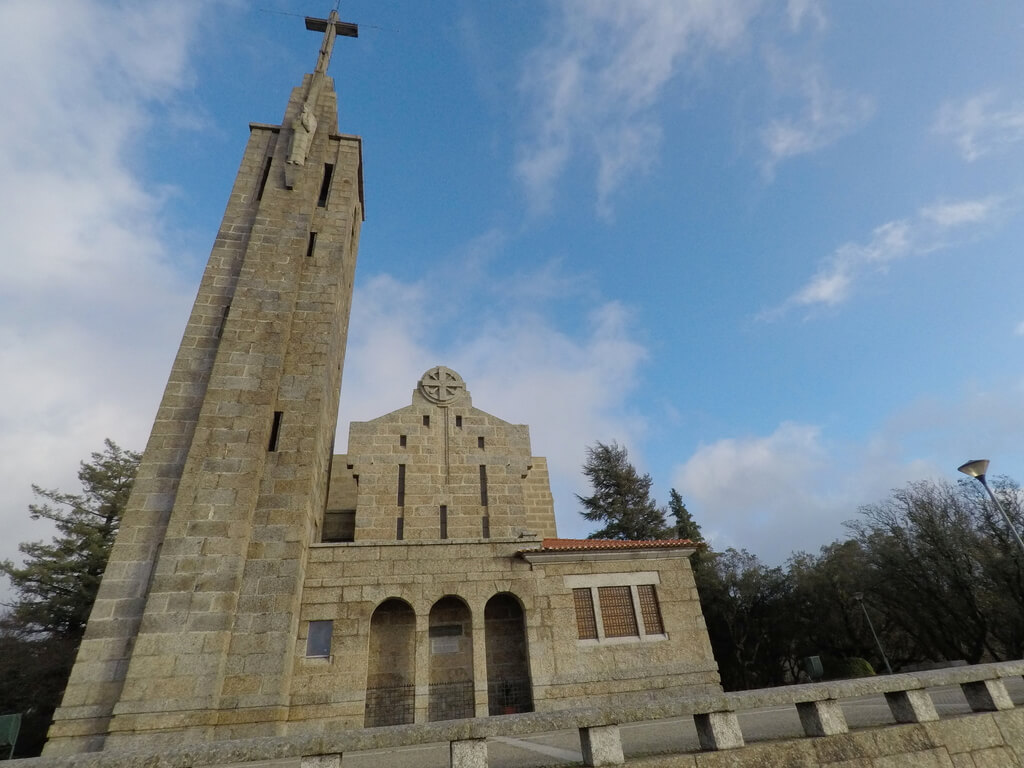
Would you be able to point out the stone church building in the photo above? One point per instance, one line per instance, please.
(261, 585)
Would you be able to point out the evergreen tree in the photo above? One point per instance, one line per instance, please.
(34, 669)
(685, 526)
(57, 584)
(621, 498)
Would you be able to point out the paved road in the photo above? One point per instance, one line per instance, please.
(673, 735)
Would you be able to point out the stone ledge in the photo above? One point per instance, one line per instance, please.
(251, 750)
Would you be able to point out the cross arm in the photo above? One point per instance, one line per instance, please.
(343, 28)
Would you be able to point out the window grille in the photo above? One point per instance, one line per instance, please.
(450, 701)
(617, 612)
(649, 609)
(586, 621)
(394, 705)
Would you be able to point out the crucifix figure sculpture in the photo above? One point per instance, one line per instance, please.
(303, 125)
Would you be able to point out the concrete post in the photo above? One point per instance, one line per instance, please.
(822, 718)
(911, 706)
(987, 696)
(467, 753)
(718, 730)
(601, 745)
(320, 761)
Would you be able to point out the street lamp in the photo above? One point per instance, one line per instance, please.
(977, 470)
(859, 597)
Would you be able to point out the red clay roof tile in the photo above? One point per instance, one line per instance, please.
(571, 544)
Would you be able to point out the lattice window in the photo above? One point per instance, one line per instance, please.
(617, 612)
(390, 706)
(649, 610)
(586, 621)
(450, 701)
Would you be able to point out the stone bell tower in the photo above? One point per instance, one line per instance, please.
(192, 632)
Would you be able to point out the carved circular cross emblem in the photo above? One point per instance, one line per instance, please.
(441, 385)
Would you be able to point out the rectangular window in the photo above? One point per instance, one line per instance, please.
(479, 442)
(649, 609)
(401, 485)
(312, 244)
(339, 525)
(325, 186)
(264, 177)
(486, 527)
(275, 431)
(444, 522)
(318, 641)
(483, 485)
(586, 621)
(617, 613)
(400, 529)
(458, 421)
(401, 441)
(426, 421)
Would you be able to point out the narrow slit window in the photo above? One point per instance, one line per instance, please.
(458, 422)
(275, 430)
(479, 442)
(486, 527)
(444, 522)
(223, 320)
(264, 177)
(330, 469)
(325, 187)
(426, 421)
(401, 485)
(312, 244)
(483, 485)
(402, 441)
(400, 529)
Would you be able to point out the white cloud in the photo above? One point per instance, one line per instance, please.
(805, 11)
(827, 115)
(792, 489)
(90, 303)
(933, 228)
(980, 125)
(593, 82)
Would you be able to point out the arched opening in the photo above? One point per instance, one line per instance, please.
(451, 660)
(391, 667)
(508, 668)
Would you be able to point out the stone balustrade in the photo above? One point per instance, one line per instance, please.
(715, 718)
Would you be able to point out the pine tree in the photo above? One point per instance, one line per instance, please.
(621, 498)
(685, 526)
(58, 582)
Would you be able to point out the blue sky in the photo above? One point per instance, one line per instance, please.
(770, 247)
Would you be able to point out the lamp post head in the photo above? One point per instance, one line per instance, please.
(858, 596)
(976, 468)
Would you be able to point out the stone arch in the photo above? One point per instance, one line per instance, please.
(450, 634)
(391, 665)
(508, 665)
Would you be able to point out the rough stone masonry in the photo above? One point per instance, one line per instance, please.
(262, 586)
